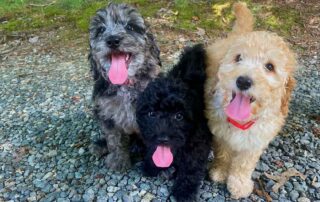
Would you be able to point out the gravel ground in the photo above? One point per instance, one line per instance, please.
(46, 126)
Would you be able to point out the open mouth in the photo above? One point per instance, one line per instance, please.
(118, 72)
(252, 99)
(239, 107)
(127, 56)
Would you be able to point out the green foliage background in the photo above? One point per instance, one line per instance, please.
(213, 15)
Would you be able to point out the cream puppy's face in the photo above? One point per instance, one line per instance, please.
(253, 75)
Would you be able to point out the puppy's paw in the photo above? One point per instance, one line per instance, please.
(184, 191)
(168, 174)
(184, 197)
(239, 187)
(99, 148)
(218, 175)
(150, 170)
(117, 162)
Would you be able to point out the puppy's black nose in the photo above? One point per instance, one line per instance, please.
(244, 82)
(163, 139)
(113, 41)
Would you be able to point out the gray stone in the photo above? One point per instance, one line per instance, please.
(39, 183)
(288, 186)
(316, 184)
(218, 198)
(298, 187)
(145, 186)
(39, 115)
(262, 166)
(206, 195)
(77, 197)
(78, 175)
(163, 191)
(112, 182)
(63, 200)
(89, 195)
(102, 198)
(81, 151)
(294, 195)
(303, 199)
(127, 198)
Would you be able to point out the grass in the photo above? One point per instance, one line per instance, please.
(24, 15)
(20, 16)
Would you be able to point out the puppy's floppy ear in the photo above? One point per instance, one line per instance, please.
(153, 47)
(290, 68)
(289, 86)
(110, 4)
(93, 67)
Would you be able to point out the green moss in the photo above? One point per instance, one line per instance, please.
(279, 19)
(70, 4)
(288, 18)
(75, 14)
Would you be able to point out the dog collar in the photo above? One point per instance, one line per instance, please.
(128, 82)
(244, 126)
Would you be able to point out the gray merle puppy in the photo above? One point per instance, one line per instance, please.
(124, 58)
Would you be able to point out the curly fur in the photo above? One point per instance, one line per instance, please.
(180, 92)
(237, 151)
(115, 104)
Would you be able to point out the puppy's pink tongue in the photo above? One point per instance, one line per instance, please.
(239, 108)
(118, 72)
(162, 157)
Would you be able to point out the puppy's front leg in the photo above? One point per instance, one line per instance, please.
(118, 146)
(149, 169)
(190, 172)
(239, 181)
(222, 157)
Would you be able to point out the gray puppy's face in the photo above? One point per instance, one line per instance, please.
(118, 42)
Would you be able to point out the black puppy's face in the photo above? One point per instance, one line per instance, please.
(164, 118)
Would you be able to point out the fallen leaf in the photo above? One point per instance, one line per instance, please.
(283, 178)
(20, 153)
(314, 182)
(19, 171)
(6, 147)
(195, 18)
(175, 12)
(258, 192)
(23, 151)
(314, 20)
(77, 145)
(34, 39)
(316, 131)
(200, 31)
(99, 176)
(315, 117)
(262, 192)
(279, 163)
(75, 99)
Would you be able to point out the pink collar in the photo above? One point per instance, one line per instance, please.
(244, 126)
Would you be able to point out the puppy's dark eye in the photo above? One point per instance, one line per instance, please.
(129, 27)
(178, 116)
(100, 30)
(270, 67)
(152, 114)
(238, 58)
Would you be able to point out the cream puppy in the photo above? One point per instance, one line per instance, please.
(250, 80)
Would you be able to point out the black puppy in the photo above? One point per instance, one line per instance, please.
(170, 115)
